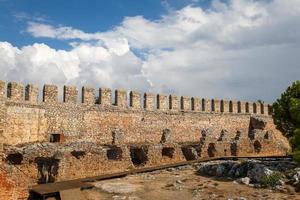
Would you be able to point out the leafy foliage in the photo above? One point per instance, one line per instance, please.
(287, 116)
(272, 180)
(287, 110)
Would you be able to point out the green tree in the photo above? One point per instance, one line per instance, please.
(284, 119)
(287, 116)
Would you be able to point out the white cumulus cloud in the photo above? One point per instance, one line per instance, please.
(241, 49)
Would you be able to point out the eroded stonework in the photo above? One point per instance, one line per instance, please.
(51, 141)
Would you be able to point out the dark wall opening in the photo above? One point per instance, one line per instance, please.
(212, 105)
(247, 107)
(114, 153)
(233, 149)
(139, 155)
(262, 108)
(193, 103)
(203, 136)
(222, 106)
(257, 146)
(47, 169)
(239, 107)
(225, 152)
(230, 106)
(14, 158)
(237, 135)
(157, 102)
(55, 137)
(251, 134)
(203, 104)
(170, 102)
(130, 99)
(198, 149)
(266, 136)
(222, 134)
(211, 150)
(145, 100)
(168, 152)
(78, 154)
(254, 108)
(189, 152)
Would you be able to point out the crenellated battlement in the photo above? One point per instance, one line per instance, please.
(99, 131)
(88, 95)
(173, 102)
(70, 94)
(161, 102)
(2, 89)
(16, 92)
(50, 93)
(149, 101)
(32, 94)
(135, 100)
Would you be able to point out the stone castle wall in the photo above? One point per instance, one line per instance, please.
(142, 117)
(52, 140)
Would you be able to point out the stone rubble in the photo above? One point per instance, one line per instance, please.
(254, 173)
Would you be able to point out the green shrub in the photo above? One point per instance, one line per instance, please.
(271, 180)
(296, 155)
(295, 140)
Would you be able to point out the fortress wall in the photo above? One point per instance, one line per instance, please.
(121, 98)
(105, 98)
(149, 101)
(50, 93)
(15, 91)
(217, 105)
(144, 127)
(93, 137)
(206, 105)
(135, 100)
(196, 104)
(185, 103)
(88, 95)
(227, 106)
(31, 94)
(2, 89)
(162, 102)
(27, 120)
(70, 94)
(173, 103)
(3, 111)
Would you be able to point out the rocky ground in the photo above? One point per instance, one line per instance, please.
(273, 174)
(212, 180)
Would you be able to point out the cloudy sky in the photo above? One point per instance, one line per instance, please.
(234, 49)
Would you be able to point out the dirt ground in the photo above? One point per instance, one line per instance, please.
(179, 184)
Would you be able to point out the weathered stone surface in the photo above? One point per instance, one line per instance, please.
(258, 172)
(245, 180)
(119, 188)
(15, 92)
(190, 153)
(166, 136)
(257, 123)
(88, 96)
(118, 136)
(70, 94)
(255, 173)
(137, 135)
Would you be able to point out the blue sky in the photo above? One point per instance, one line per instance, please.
(231, 49)
(91, 16)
